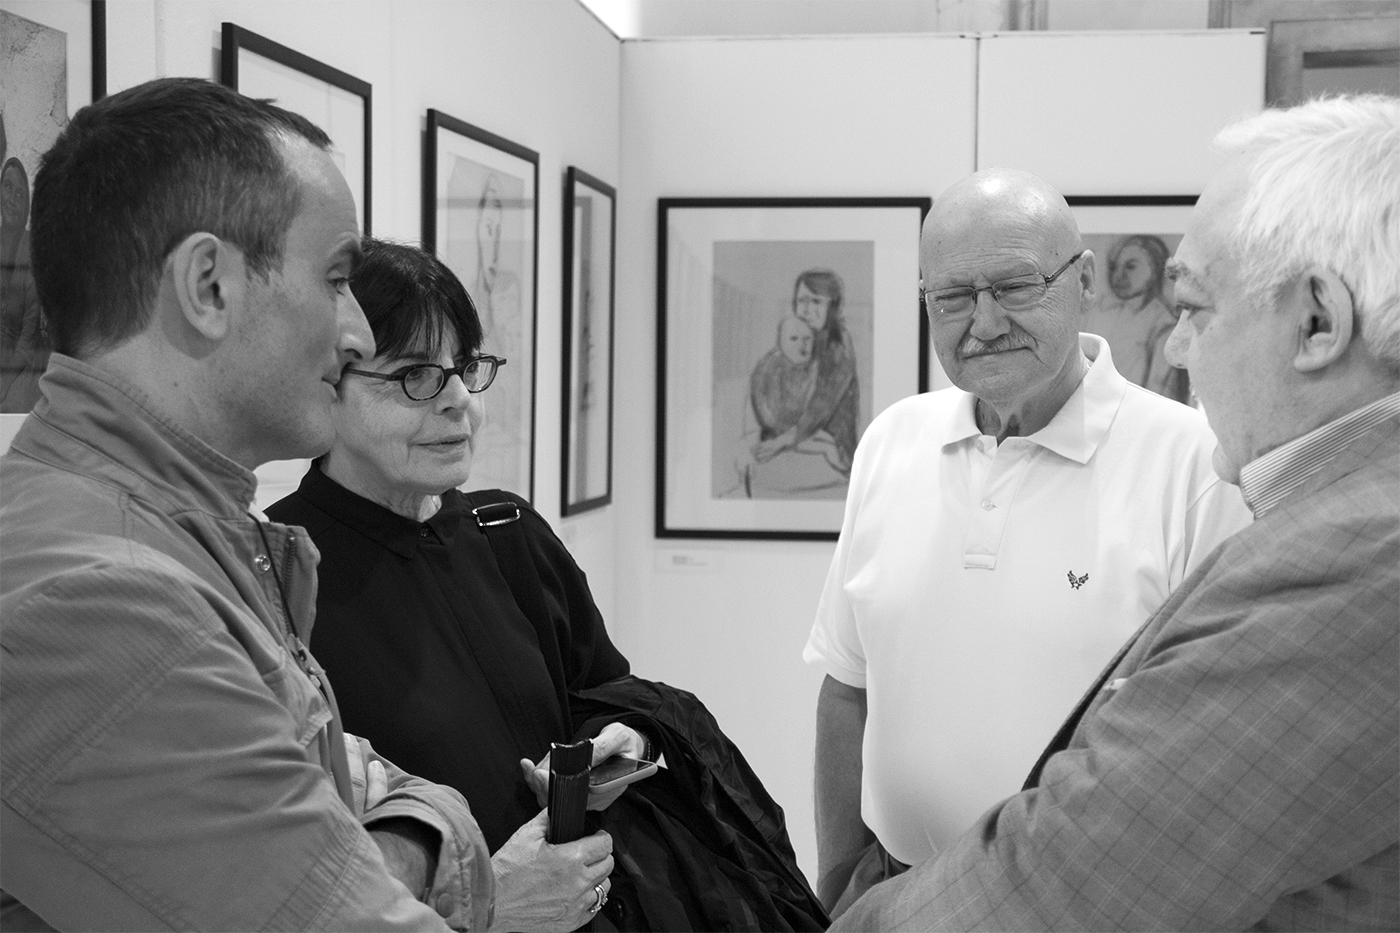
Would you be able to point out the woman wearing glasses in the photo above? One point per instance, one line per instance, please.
(436, 656)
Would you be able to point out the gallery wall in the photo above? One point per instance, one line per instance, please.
(835, 117)
(831, 116)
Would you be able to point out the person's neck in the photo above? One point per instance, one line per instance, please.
(413, 505)
(1027, 414)
(174, 385)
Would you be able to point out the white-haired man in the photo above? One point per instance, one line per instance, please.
(1236, 767)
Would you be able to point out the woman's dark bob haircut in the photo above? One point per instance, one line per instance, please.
(413, 301)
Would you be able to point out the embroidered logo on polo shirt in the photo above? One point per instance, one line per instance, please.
(1077, 582)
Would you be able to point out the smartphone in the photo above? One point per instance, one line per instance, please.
(617, 771)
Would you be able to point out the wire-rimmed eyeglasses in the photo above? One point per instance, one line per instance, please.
(1018, 293)
(423, 381)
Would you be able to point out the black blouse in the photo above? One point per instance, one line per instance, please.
(430, 657)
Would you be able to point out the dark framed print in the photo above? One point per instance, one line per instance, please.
(52, 62)
(338, 103)
(481, 217)
(1132, 238)
(785, 325)
(590, 217)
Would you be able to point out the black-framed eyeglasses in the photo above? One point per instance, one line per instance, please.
(1018, 293)
(423, 381)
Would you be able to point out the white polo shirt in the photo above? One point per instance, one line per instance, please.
(978, 588)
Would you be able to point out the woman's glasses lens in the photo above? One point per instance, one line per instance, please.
(424, 382)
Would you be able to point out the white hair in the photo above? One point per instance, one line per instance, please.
(1324, 189)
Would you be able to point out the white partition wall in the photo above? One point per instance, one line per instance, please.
(1114, 113)
(754, 117)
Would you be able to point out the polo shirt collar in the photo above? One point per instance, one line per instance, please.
(383, 526)
(1081, 423)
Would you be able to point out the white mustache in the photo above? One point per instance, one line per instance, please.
(971, 346)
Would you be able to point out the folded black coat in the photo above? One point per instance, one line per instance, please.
(700, 845)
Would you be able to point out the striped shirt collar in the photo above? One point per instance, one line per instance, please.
(1267, 480)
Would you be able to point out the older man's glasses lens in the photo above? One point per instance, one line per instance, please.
(1018, 293)
(426, 380)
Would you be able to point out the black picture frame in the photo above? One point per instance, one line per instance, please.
(1132, 237)
(590, 270)
(729, 271)
(479, 186)
(352, 145)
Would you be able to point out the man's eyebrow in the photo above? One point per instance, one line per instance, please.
(1178, 271)
(353, 252)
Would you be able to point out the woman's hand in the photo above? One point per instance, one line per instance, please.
(542, 887)
(615, 739)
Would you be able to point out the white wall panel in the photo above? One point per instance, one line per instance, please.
(1115, 113)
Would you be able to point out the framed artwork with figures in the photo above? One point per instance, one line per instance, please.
(53, 61)
(481, 217)
(784, 326)
(590, 217)
(1132, 237)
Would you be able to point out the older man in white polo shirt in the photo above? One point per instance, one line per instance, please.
(1001, 540)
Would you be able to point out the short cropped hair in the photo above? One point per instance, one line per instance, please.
(412, 301)
(134, 174)
(1324, 188)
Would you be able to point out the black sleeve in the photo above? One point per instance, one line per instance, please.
(589, 656)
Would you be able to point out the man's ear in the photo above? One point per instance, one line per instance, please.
(1087, 264)
(1326, 319)
(208, 277)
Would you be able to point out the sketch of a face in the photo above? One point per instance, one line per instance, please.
(488, 231)
(810, 307)
(795, 340)
(14, 194)
(1130, 275)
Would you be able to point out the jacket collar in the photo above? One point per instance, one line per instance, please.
(95, 422)
(1081, 423)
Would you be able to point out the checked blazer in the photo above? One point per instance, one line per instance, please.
(1239, 767)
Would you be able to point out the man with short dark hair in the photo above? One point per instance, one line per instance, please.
(1001, 538)
(1237, 766)
(172, 755)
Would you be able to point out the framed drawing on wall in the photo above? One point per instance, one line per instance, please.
(52, 62)
(785, 325)
(337, 102)
(1132, 238)
(590, 215)
(481, 217)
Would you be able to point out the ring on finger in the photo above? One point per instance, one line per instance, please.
(601, 898)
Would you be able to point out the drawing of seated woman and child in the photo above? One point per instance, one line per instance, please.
(805, 401)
